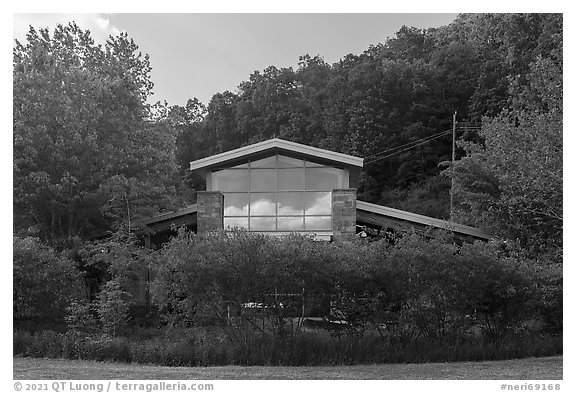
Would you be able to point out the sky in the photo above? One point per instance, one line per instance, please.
(199, 55)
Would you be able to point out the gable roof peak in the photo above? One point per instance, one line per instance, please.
(279, 145)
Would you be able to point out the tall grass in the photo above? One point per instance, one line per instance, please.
(193, 348)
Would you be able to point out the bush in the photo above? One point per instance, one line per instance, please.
(43, 344)
(549, 306)
(44, 282)
(417, 287)
(80, 317)
(412, 301)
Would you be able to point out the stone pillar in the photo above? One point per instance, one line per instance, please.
(210, 211)
(344, 214)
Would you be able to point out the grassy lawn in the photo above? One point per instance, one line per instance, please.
(532, 368)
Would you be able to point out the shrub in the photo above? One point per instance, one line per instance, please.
(80, 318)
(190, 348)
(549, 284)
(445, 289)
(416, 287)
(44, 282)
(42, 344)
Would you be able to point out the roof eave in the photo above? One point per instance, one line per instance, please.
(203, 164)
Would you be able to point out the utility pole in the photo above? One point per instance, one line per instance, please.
(453, 159)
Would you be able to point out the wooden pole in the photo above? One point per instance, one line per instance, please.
(453, 159)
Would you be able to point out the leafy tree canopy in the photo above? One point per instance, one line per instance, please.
(83, 131)
(512, 183)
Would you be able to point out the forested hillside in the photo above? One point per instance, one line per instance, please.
(91, 154)
(380, 103)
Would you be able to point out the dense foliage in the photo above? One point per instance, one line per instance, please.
(245, 299)
(88, 150)
(417, 288)
(45, 282)
(512, 183)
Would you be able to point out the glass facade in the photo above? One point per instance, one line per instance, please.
(278, 193)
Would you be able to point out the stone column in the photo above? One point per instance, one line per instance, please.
(344, 214)
(210, 211)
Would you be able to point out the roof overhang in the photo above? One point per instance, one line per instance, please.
(372, 214)
(167, 221)
(230, 158)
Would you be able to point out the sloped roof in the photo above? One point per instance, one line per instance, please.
(165, 221)
(168, 216)
(417, 219)
(280, 145)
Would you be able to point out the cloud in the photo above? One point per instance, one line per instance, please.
(99, 24)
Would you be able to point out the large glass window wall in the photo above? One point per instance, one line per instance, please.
(278, 193)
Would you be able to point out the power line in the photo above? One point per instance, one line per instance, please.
(423, 141)
(430, 137)
(403, 150)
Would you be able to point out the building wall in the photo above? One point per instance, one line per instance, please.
(344, 214)
(210, 211)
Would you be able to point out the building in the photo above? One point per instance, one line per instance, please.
(279, 187)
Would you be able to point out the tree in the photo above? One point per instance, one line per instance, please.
(80, 118)
(504, 46)
(220, 123)
(512, 184)
(112, 306)
(191, 142)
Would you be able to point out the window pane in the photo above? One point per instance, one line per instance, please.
(236, 204)
(263, 223)
(318, 223)
(289, 162)
(268, 162)
(318, 203)
(235, 222)
(291, 179)
(323, 179)
(262, 180)
(290, 203)
(290, 223)
(263, 204)
(230, 180)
